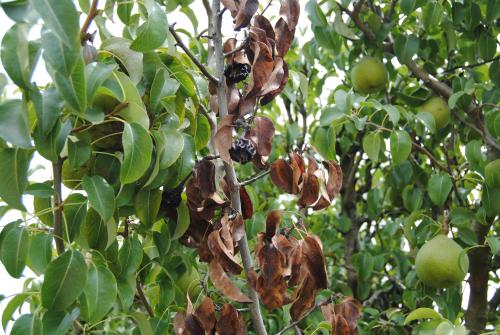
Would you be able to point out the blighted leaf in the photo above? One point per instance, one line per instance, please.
(246, 204)
(272, 223)
(222, 282)
(304, 299)
(310, 186)
(246, 10)
(263, 132)
(223, 254)
(312, 252)
(224, 138)
(205, 313)
(282, 176)
(230, 322)
(290, 11)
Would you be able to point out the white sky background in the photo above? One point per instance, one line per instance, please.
(9, 285)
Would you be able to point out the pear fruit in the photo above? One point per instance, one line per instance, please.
(440, 263)
(492, 173)
(369, 75)
(439, 109)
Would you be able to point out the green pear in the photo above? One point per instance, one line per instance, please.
(439, 109)
(369, 75)
(441, 263)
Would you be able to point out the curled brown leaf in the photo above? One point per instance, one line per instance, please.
(222, 282)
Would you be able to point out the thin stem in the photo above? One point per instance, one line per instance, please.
(195, 60)
(58, 231)
(255, 178)
(472, 65)
(295, 323)
(144, 301)
(90, 17)
(234, 187)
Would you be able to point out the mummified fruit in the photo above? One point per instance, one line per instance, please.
(171, 197)
(242, 150)
(236, 72)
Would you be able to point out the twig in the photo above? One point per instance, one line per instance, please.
(255, 178)
(232, 180)
(267, 6)
(195, 60)
(391, 10)
(58, 231)
(293, 324)
(144, 301)
(90, 17)
(472, 65)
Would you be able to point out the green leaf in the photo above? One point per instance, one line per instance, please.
(182, 220)
(315, 14)
(135, 111)
(48, 107)
(124, 10)
(439, 186)
(184, 165)
(72, 88)
(15, 55)
(142, 322)
(137, 148)
(422, 313)
(20, 11)
(400, 146)
(14, 126)
(431, 15)
(428, 120)
(51, 146)
(27, 324)
(79, 153)
(99, 293)
(14, 304)
(407, 6)
(474, 155)
(96, 74)
(364, 265)
(162, 86)
(61, 17)
(324, 142)
(406, 47)
(203, 132)
(462, 217)
(147, 205)
(14, 164)
(154, 31)
(40, 252)
(14, 242)
(60, 57)
(412, 198)
(342, 28)
(64, 280)
(131, 60)
(93, 232)
(59, 322)
(74, 212)
(494, 243)
(487, 46)
(171, 142)
(393, 113)
(101, 196)
(492, 10)
(371, 145)
(129, 257)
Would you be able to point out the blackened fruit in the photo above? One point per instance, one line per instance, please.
(242, 150)
(236, 72)
(171, 197)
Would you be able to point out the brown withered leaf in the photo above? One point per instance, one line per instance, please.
(263, 23)
(312, 253)
(304, 299)
(187, 324)
(262, 135)
(224, 137)
(334, 183)
(204, 173)
(275, 79)
(222, 282)
(231, 5)
(223, 254)
(290, 11)
(229, 46)
(230, 322)
(179, 323)
(272, 222)
(283, 177)
(246, 10)
(246, 204)
(247, 105)
(206, 315)
(273, 293)
(284, 37)
(295, 264)
(273, 94)
(262, 67)
(214, 104)
(328, 313)
(340, 326)
(233, 99)
(350, 309)
(310, 187)
(237, 228)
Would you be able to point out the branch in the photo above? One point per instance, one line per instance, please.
(90, 17)
(255, 178)
(144, 301)
(195, 60)
(58, 231)
(472, 65)
(295, 323)
(495, 301)
(234, 187)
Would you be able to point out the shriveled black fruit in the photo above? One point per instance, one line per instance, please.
(236, 72)
(242, 150)
(171, 197)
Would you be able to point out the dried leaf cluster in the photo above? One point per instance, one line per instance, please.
(343, 317)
